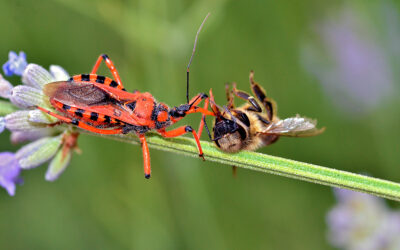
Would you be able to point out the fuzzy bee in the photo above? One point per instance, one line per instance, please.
(255, 123)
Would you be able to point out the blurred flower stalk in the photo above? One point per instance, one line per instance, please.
(354, 57)
(362, 222)
(48, 142)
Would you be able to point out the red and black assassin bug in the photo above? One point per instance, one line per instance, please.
(102, 105)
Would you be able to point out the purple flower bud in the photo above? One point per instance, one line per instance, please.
(18, 121)
(27, 97)
(36, 76)
(9, 172)
(58, 73)
(31, 135)
(16, 64)
(38, 152)
(2, 124)
(5, 88)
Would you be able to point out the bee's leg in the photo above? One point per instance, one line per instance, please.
(259, 92)
(229, 97)
(243, 95)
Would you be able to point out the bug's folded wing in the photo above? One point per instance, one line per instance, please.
(295, 127)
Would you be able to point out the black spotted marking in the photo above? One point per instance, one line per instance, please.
(66, 107)
(131, 105)
(113, 84)
(107, 119)
(154, 112)
(94, 116)
(124, 89)
(100, 79)
(71, 79)
(79, 112)
(75, 122)
(85, 77)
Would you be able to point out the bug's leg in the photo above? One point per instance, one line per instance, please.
(195, 109)
(83, 125)
(110, 66)
(260, 93)
(146, 156)
(195, 101)
(203, 118)
(243, 95)
(180, 131)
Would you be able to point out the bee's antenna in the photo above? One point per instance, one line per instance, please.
(191, 58)
(229, 112)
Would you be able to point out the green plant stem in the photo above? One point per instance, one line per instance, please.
(274, 165)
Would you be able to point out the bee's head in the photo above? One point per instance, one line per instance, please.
(228, 134)
(229, 131)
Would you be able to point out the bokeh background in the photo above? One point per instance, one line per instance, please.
(332, 60)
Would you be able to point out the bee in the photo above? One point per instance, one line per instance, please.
(254, 124)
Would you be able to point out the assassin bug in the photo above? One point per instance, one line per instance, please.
(102, 105)
(254, 124)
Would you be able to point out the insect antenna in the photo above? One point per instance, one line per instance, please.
(229, 112)
(191, 58)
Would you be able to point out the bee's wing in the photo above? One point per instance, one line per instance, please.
(295, 127)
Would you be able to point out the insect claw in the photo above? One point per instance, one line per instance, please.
(147, 176)
(202, 156)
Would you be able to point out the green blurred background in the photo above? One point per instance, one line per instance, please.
(102, 200)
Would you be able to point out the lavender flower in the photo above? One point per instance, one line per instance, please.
(5, 88)
(16, 64)
(2, 124)
(352, 62)
(361, 221)
(9, 172)
(49, 143)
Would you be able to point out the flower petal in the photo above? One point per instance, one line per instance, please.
(16, 64)
(31, 135)
(5, 88)
(38, 116)
(18, 121)
(58, 73)
(57, 165)
(9, 172)
(38, 152)
(27, 97)
(2, 124)
(36, 76)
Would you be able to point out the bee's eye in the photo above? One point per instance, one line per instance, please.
(224, 127)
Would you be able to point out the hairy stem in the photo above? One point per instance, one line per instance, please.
(274, 165)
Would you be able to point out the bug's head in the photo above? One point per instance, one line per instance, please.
(229, 131)
(180, 111)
